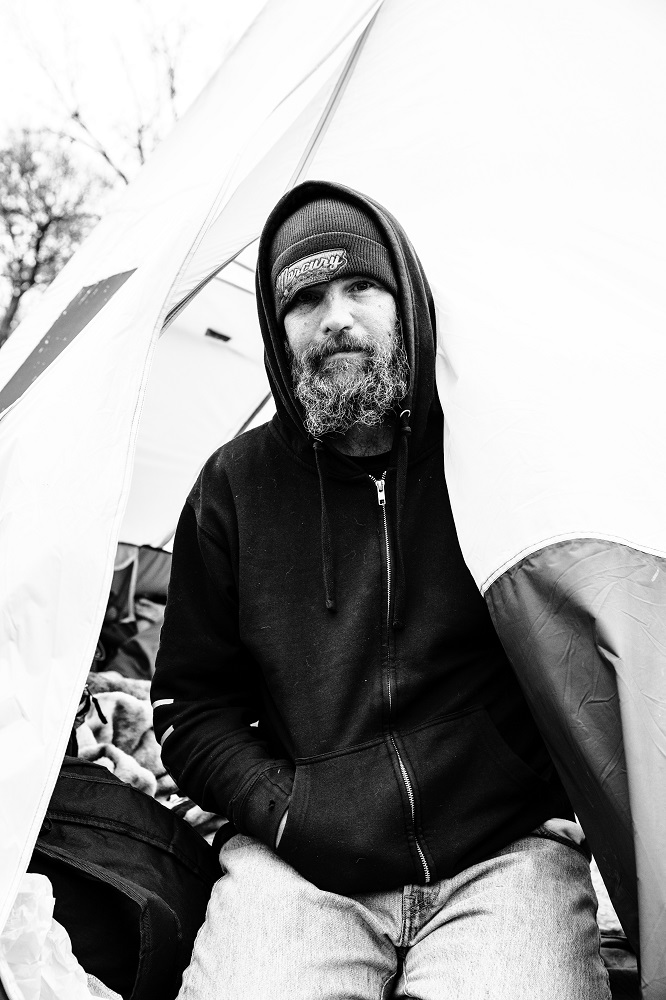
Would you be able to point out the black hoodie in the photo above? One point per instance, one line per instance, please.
(389, 719)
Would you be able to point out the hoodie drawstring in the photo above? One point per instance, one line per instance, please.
(328, 569)
(404, 432)
(326, 546)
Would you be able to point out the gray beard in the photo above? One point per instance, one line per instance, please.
(336, 395)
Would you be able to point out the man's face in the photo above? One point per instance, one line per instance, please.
(348, 360)
(359, 306)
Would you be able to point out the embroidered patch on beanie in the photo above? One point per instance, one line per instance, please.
(310, 270)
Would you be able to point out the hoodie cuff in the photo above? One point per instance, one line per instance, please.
(262, 806)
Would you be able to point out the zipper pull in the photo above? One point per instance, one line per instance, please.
(381, 493)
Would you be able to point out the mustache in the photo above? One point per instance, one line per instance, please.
(339, 343)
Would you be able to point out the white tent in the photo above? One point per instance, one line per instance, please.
(207, 383)
(522, 147)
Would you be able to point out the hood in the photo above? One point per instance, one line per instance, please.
(414, 302)
(420, 414)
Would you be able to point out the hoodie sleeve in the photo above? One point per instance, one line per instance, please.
(205, 691)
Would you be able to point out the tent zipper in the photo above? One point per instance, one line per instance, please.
(380, 485)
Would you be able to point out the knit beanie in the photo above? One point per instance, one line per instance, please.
(322, 240)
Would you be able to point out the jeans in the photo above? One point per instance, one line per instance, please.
(518, 926)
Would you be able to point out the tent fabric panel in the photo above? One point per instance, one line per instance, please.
(530, 178)
(72, 320)
(584, 624)
(275, 161)
(65, 463)
(200, 392)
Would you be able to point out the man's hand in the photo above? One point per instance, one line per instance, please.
(283, 823)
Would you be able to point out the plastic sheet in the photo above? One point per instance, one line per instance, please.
(36, 959)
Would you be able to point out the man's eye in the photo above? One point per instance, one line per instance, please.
(363, 284)
(304, 297)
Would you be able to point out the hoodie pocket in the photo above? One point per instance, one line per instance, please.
(347, 828)
(473, 793)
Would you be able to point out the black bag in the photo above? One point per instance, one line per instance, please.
(131, 881)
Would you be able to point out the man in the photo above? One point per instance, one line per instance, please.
(396, 826)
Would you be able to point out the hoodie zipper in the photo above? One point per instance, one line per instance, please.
(380, 485)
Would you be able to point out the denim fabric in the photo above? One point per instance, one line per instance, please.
(518, 926)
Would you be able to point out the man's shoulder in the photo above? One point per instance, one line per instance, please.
(239, 467)
(229, 473)
(241, 453)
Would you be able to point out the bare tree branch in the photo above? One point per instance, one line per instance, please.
(97, 145)
(47, 207)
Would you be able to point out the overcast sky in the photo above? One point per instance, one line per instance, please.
(101, 52)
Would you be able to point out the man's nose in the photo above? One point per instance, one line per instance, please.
(336, 315)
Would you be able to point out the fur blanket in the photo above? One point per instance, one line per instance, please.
(117, 733)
